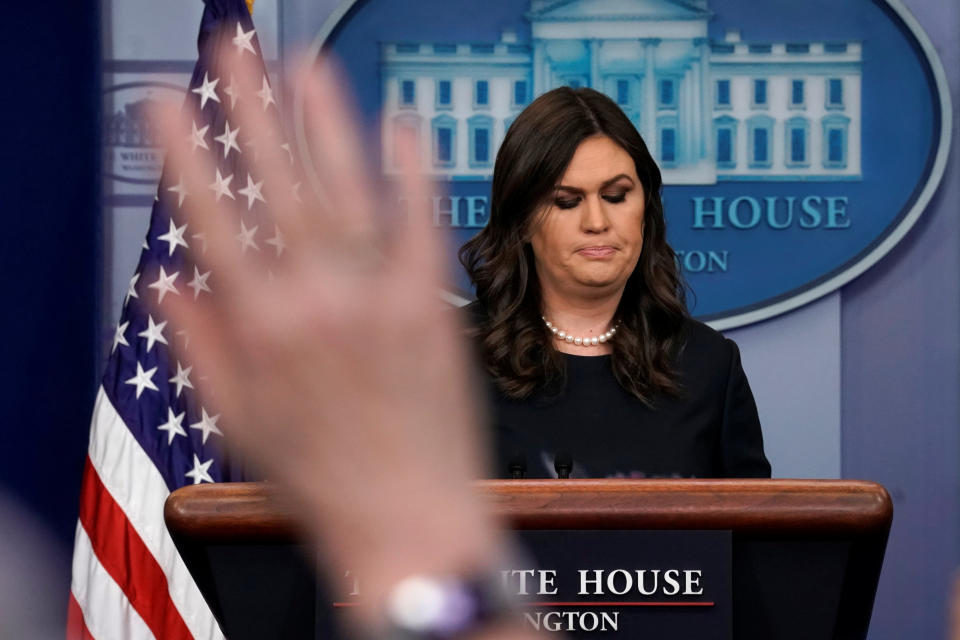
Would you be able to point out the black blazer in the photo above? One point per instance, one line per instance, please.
(711, 431)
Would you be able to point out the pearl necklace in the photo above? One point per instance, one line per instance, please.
(578, 340)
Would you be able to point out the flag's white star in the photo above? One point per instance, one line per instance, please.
(132, 289)
(182, 379)
(153, 333)
(174, 237)
(202, 239)
(144, 245)
(228, 139)
(197, 137)
(252, 192)
(242, 41)
(199, 472)
(245, 238)
(181, 190)
(231, 91)
(199, 282)
(277, 240)
(266, 94)
(207, 425)
(164, 284)
(173, 426)
(296, 192)
(118, 337)
(143, 379)
(221, 186)
(207, 90)
(286, 147)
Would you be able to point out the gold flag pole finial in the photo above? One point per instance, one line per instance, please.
(250, 6)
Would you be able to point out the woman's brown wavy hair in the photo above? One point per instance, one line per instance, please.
(515, 344)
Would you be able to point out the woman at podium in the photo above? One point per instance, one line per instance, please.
(595, 367)
(367, 418)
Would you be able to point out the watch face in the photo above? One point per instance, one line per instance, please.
(447, 607)
(418, 603)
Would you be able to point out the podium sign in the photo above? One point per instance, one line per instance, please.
(611, 584)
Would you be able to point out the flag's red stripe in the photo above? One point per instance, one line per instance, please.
(123, 554)
(76, 627)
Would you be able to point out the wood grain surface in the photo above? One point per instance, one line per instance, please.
(258, 511)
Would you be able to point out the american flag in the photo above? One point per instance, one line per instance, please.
(150, 433)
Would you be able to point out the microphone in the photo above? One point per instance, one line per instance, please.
(563, 464)
(517, 466)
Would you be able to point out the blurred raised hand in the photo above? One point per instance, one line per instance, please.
(329, 352)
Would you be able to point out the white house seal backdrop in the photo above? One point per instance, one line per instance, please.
(795, 152)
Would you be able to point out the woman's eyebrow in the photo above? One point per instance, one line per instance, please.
(605, 184)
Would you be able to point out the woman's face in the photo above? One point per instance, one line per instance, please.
(587, 240)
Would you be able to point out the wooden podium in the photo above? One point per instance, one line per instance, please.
(806, 554)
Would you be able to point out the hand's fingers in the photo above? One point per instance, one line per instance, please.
(418, 248)
(214, 221)
(337, 152)
(271, 161)
(211, 351)
(196, 320)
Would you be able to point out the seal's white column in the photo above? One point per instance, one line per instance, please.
(595, 80)
(650, 94)
(706, 99)
(539, 64)
(696, 87)
(688, 118)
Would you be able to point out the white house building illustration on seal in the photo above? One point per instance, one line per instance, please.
(710, 111)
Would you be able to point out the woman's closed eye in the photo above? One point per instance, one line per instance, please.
(570, 203)
(615, 198)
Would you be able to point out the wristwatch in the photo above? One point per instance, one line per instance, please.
(424, 607)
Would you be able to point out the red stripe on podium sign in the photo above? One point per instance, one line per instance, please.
(584, 604)
(617, 604)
